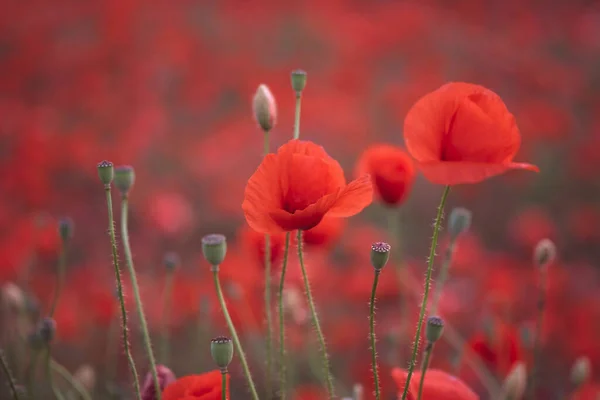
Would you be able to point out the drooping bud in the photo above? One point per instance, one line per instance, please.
(221, 349)
(86, 376)
(265, 108)
(65, 229)
(380, 254)
(544, 253)
(13, 296)
(106, 172)
(44, 333)
(434, 329)
(298, 80)
(459, 222)
(171, 261)
(214, 248)
(124, 178)
(165, 377)
(580, 371)
(514, 385)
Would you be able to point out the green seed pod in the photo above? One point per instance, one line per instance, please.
(106, 172)
(434, 329)
(298, 80)
(214, 248)
(124, 178)
(380, 254)
(221, 349)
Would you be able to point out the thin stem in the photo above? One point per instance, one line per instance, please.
(372, 335)
(9, 376)
(66, 375)
(113, 241)
(541, 306)
(60, 277)
(55, 390)
(32, 370)
(282, 369)
(234, 335)
(297, 115)
(268, 314)
(442, 277)
(434, 240)
(315, 319)
(426, 358)
(136, 295)
(164, 337)
(224, 385)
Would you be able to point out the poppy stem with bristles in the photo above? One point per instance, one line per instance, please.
(372, 335)
(282, 366)
(232, 330)
(125, 328)
(434, 240)
(315, 320)
(268, 314)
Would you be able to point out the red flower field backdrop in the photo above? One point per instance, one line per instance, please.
(167, 88)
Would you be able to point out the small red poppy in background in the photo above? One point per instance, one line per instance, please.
(391, 170)
(254, 243)
(462, 133)
(438, 385)
(298, 186)
(196, 387)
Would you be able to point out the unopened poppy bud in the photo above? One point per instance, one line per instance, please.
(380, 254)
(13, 296)
(86, 376)
(265, 108)
(545, 253)
(515, 382)
(434, 329)
(106, 172)
(214, 248)
(298, 80)
(459, 223)
(171, 261)
(165, 377)
(65, 229)
(124, 178)
(44, 333)
(221, 349)
(580, 371)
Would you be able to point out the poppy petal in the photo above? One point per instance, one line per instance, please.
(455, 173)
(353, 198)
(307, 218)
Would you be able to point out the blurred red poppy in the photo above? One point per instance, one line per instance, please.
(196, 387)
(438, 385)
(298, 186)
(391, 170)
(462, 133)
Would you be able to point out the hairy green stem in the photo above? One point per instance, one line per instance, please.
(234, 335)
(60, 277)
(426, 358)
(434, 240)
(297, 116)
(315, 320)
(268, 314)
(282, 368)
(9, 376)
(136, 295)
(541, 306)
(224, 384)
(372, 336)
(57, 394)
(66, 375)
(164, 337)
(442, 277)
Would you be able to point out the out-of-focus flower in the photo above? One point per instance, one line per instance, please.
(438, 385)
(325, 234)
(462, 133)
(514, 385)
(86, 376)
(391, 170)
(254, 243)
(298, 186)
(206, 386)
(165, 378)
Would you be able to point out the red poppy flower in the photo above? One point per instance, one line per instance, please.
(462, 133)
(438, 385)
(196, 387)
(391, 170)
(298, 186)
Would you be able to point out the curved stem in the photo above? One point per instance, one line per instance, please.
(442, 277)
(541, 305)
(136, 295)
(164, 337)
(315, 319)
(9, 376)
(434, 240)
(224, 385)
(55, 390)
(60, 277)
(426, 358)
(268, 314)
(115, 256)
(372, 335)
(66, 375)
(297, 116)
(234, 335)
(282, 370)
